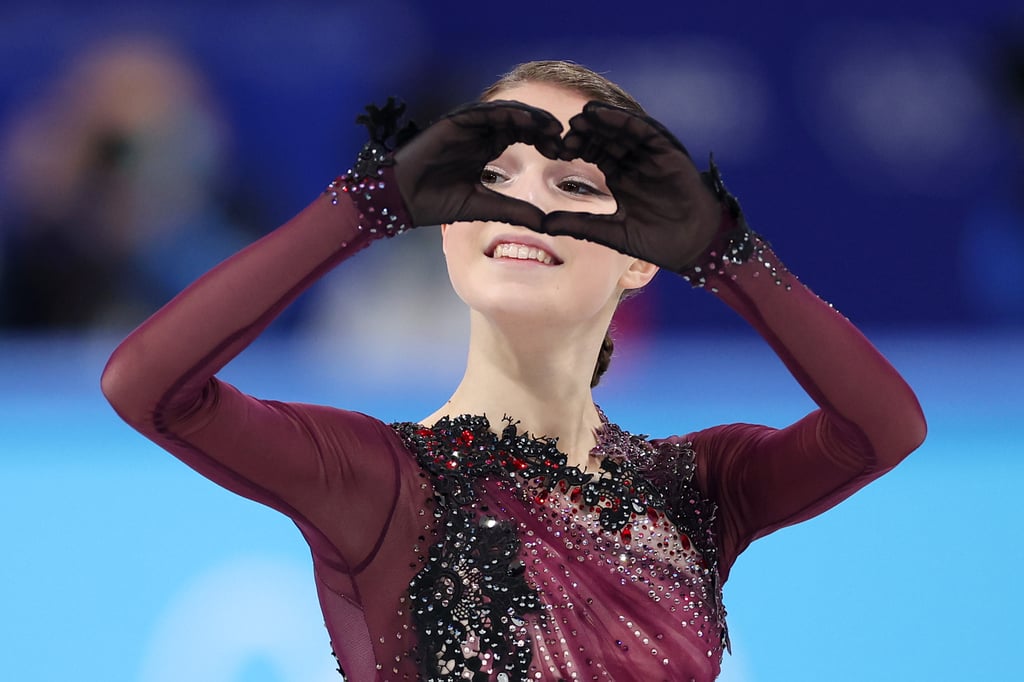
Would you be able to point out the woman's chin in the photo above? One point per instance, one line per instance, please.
(533, 315)
(532, 301)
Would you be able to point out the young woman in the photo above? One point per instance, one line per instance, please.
(516, 533)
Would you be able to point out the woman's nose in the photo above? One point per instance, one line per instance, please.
(530, 186)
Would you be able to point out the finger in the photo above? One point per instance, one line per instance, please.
(533, 126)
(630, 129)
(639, 126)
(501, 123)
(597, 145)
(624, 144)
(488, 205)
(537, 128)
(576, 138)
(605, 229)
(608, 136)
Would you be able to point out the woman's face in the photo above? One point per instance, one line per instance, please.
(500, 269)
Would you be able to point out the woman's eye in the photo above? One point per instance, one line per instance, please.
(579, 187)
(490, 176)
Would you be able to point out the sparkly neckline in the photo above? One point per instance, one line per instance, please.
(464, 449)
(471, 599)
(610, 441)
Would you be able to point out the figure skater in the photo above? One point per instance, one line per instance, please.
(517, 533)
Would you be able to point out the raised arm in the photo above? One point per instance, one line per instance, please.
(297, 458)
(161, 378)
(686, 222)
(869, 418)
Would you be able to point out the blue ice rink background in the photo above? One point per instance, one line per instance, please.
(119, 563)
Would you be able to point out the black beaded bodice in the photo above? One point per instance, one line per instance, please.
(511, 512)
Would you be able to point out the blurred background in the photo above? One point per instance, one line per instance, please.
(879, 147)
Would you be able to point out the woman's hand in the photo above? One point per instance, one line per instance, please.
(669, 213)
(434, 178)
(439, 171)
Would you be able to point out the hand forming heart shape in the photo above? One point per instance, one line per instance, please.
(668, 212)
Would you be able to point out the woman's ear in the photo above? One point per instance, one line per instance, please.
(444, 238)
(638, 274)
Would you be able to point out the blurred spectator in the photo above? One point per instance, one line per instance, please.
(113, 178)
(992, 243)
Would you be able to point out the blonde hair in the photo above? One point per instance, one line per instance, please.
(569, 75)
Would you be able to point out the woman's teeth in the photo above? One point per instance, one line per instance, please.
(522, 252)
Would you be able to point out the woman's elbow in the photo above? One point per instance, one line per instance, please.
(909, 435)
(120, 388)
(916, 431)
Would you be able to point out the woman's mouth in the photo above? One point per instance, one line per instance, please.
(522, 248)
(522, 252)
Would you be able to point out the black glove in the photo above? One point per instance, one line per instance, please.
(668, 212)
(433, 176)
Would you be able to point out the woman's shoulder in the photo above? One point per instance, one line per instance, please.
(706, 441)
(334, 422)
(616, 441)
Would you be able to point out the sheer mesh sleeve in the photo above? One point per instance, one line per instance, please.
(868, 421)
(295, 458)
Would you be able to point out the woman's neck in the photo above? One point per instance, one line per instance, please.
(540, 378)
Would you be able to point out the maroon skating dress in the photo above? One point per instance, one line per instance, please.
(470, 550)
